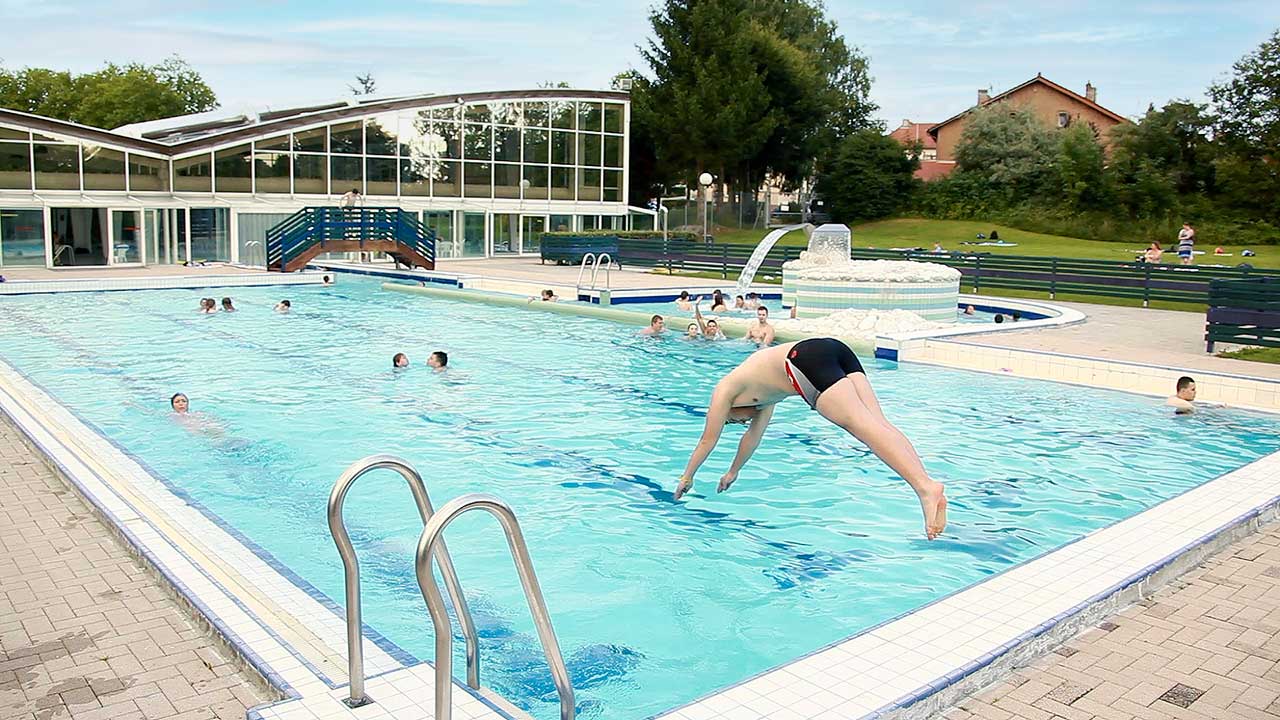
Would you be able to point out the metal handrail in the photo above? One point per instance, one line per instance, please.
(431, 536)
(607, 260)
(577, 286)
(351, 571)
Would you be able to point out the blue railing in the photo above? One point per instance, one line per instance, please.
(312, 226)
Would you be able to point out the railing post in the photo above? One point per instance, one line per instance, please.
(1146, 285)
(977, 273)
(666, 252)
(1053, 278)
(724, 262)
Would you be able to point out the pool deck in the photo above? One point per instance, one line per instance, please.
(85, 631)
(1167, 338)
(1207, 647)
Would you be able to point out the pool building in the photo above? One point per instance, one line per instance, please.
(489, 172)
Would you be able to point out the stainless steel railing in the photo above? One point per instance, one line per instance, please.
(351, 570)
(594, 261)
(428, 545)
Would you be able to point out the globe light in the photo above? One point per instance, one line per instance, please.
(706, 179)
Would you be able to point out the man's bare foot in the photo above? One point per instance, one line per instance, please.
(933, 502)
(682, 487)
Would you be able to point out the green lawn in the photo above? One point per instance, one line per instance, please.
(1257, 354)
(917, 232)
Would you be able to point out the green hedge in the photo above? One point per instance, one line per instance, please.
(625, 234)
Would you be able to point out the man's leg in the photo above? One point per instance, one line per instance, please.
(843, 405)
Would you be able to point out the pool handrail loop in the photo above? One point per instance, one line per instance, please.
(594, 261)
(351, 571)
(431, 537)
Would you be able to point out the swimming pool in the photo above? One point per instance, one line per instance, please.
(775, 310)
(582, 426)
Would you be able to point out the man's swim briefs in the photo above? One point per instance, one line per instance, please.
(818, 363)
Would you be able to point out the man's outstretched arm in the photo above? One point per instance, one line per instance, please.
(747, 446)
(717, 413)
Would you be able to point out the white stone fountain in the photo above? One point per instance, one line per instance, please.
(825, 279)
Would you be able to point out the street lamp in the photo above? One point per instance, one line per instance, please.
(705, 180)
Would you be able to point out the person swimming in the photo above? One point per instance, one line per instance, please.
(761, 331)
(656, 326)
(207, 306)
(739, 303)
(828, 375)
(710, 328)
(717, 302)
(400, 360)
(438, 361)
(284, 306)
(180, 404)
(693, 331)
(683, 302)
(227, 306)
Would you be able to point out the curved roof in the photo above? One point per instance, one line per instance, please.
(188, 133)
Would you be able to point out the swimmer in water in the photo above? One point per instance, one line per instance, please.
(438, 361)
(656, 326)
(207, 306)
(710, 328)
(682, 302)
(547, 296)
(1181, 401)
(753, 301)
(717, 302)
(692, 331)
(827, 374)
(400, 360)
(193, 421)
(761, 331)
(739, 303)
(283, 306)
(227, 306)
(180, 404)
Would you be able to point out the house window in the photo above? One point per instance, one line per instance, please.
(1064, 119)
(929, 155)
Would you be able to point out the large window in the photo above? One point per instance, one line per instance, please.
(473, 234)
(478, 178)
(310, 174)
(103, 168)
(193, 174)
(15, 165)
(381, 176)
(21, 237)
(232, 170)
(211, 234)
(148, 174)
(506, 180)
(57, 166)
(271, 170)
(441, 221)
(346, 138)
(348, 173)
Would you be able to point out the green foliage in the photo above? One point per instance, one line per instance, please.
(1248, 128)
(744, 87)
(1008, 148)
(1080, 169)
(113, 96)
(867, 177)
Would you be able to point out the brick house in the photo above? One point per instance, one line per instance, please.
(1053, 104)
(909, 133)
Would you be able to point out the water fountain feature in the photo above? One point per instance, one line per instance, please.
(825, 279)
(748, 273)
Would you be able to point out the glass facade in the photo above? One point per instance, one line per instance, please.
(471, 154)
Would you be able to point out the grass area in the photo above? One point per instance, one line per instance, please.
(919, 232)
(1256, 354)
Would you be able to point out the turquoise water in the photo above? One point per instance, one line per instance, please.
(583, 427)
(775, 310)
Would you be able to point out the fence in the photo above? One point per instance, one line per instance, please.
(1143, 282)
(1245, 312)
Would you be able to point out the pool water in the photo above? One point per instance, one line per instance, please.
(583, 427)
(775, 311)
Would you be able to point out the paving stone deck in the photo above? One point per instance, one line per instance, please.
(86, 632)
(1207, 647)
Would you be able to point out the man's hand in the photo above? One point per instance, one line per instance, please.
(683, 486)
(726, 480)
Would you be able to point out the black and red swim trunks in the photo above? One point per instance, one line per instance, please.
(816, 364)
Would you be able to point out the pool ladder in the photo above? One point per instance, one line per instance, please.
(595, 262)
(431, 544)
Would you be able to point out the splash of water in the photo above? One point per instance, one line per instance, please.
(748, 274)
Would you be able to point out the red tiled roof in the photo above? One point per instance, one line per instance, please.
(933, 131)
(934, 169)
(911, 132)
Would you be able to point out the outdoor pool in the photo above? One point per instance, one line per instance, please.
(583, 426)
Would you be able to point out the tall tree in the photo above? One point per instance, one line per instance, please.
(747, 87)
(365, 85)
(1010, 149)
(867, 177)
(1248, 128)
(113, 96)
(1081, 169)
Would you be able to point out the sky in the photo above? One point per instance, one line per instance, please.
(928, 59)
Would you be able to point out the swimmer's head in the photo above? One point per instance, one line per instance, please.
(400, 360)
(762, 314)
(713, 327)
(438, 359)
(684, 294)
(999, 318)
(179, 403)
(226, 303)
(547, 294)
(741, 415)
(656, 322)
(739, 301)
(1186, 388)
(692, 330)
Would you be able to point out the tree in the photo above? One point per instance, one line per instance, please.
(113, 96)
(867, 176)
(1081, 164)
(746, 88)
(1173, 140)
(365, 85)
(1247, 124)
(1010, 149)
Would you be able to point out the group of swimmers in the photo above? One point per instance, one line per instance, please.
(209, 306)
(438, 361)
(760, 332)
(750, 301)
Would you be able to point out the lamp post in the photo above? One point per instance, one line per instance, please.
(705, 180)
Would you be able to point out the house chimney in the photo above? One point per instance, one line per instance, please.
(983, 96)
(906, 123)
(1091, 92)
